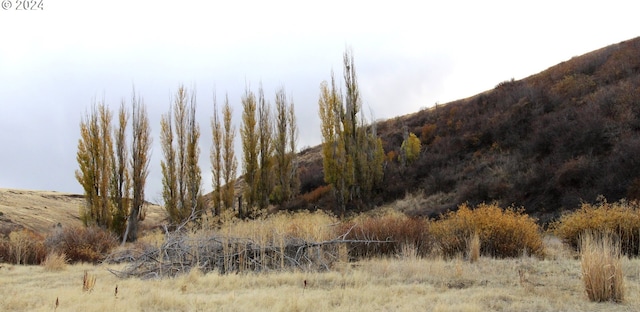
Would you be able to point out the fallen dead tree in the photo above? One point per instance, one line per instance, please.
(213, 252)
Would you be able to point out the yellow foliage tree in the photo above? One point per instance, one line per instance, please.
(229, 162)
(95, 160)
(284, 149)
(140, 157)
(411, 147)
(352, 153)
(181, 176)
(249, 136)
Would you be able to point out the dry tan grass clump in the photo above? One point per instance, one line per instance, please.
(620, 218)
(55, 261)
(473, 247)
(310, 226)
(601, 267)
(502, 233)
(88, 281)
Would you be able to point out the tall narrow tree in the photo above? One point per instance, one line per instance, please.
(249, 136)
(284, 145)
(334, 156)
(216, 159)
(265, 132)
(230, 163)
(294, 179)
(120, 180)
(352, 153)
(95, 159)
(180, 169)
(168, 166)
(140, 155)
(193, 196)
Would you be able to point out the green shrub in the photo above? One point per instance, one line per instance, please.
(502, 233)
(81, 244)
(621, 218)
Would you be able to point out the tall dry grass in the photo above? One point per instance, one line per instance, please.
(403, 283)
(601, 267)
(473, 247)
(55, 261)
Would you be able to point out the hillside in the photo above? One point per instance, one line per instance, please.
(547, 142)
(42, 211)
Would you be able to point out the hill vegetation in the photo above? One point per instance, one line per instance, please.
(548, 143)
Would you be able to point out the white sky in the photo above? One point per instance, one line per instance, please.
(409, 55)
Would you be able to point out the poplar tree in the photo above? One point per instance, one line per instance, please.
(95, 159)
(352, 153)
(334, 157)
(265, 147)
(140, 156)
(230, 163)
(284, 148)
(249, 137)
(181, 174)
(120, 180)
(216, 159)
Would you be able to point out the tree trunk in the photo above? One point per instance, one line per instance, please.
(131, 233)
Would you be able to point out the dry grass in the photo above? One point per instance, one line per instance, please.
(602, 267)
(401, 283)
(473, 247)
(88, 281)
(55, 261)
(42, 211)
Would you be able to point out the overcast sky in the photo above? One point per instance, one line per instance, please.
(409, 55)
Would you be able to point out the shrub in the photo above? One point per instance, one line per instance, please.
(82, 244)
(621, 218)
(396, 228)
(22, 247)
(317, 193)
(601, 267)
(502, 233)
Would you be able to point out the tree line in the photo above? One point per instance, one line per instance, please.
(113, 174)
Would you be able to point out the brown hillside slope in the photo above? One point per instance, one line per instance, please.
(547, 142)
(41, 211)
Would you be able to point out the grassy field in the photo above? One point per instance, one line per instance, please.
(402, 283)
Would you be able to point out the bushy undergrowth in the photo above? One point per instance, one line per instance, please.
(22, 247)
(621, 218)
(502, 233)
(396, 228)
(82, 244)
